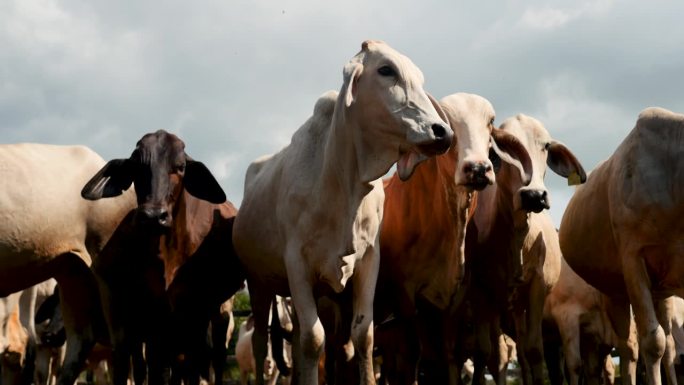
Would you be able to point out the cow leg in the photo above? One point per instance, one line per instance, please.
(364, 280)
(311, 334)
(535, 346)
(42, 365)
(139, 364)
(399, 348)
(498, 361)
(261, 305)
(81, 312)
(665, 310)
(623, 324)
(219, 331)
(121, 349)
(652, 338)
(568, 327)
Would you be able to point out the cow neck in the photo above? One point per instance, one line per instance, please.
(192, 221)
(445, 213)
(506, 224)
(340, 179)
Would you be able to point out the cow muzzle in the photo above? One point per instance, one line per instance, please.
(158, 217)
(534, 200)
(441, 142)
(477, 175)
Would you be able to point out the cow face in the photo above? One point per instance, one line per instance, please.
(472, 118)
(395, 118)
(161, 170)
(543, 151)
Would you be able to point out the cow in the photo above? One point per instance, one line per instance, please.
(581, 315)
(171, 264)
(47, 356)
(310, 216)
(244, 352)
(47, 230)
(512, 247)
(13, 341)
(221, 327)
(622, 232)
(423, 233)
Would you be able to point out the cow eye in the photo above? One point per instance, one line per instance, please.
(491, 122)
(547, 146)
(386, 71)
(181, 167)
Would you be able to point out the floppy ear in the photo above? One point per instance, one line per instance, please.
(564, 163)
(114, 178)
(511, 151)
(352, 72)
(199, 182)
(438, 108)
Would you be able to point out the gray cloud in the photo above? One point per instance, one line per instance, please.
(235, 79)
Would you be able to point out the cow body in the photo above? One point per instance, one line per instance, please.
(423, 234)
(311, 213)
(512, 249)
(622, 232)
(47, 230)
(170, 265)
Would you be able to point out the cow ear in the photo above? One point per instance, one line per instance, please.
(201, 184)
(352, 73)
(114, 178)
(510, 150)
(438, 108)
(564, 163)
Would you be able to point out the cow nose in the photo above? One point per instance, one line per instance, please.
(534, 200)
(476, 174)
(439, 131)
(157, 215)
(443, 136)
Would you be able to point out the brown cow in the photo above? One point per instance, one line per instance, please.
(582, 316)
(623, 230)
(423, 233)
(171, 264)
(513, 248)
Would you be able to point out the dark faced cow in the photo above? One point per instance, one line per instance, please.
(171, 264)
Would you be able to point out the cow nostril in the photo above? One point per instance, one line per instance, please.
(488, 168)
(163, 215)
(439, 131)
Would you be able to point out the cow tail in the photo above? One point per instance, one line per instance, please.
(277, 336)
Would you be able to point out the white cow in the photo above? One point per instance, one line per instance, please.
(623, 231)
(311, 212)
(48, 230)
(509, 227)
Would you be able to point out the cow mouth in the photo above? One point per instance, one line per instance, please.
(408, 160)
(478, 184)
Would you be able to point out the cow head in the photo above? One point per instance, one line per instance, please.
(472, 118)
(394, 118)
(161, 170)
(543, 151)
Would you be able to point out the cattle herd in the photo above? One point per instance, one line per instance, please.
(127, 267)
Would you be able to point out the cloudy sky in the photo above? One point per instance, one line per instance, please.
(235, 78)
